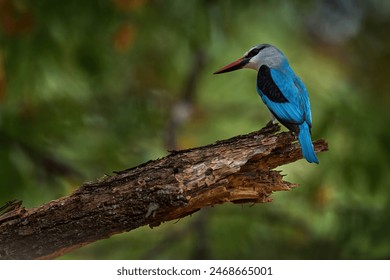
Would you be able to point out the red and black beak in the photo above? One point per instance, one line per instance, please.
(235, 65)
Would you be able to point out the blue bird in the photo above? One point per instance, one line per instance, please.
(281, 90)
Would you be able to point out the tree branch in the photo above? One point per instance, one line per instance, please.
(237, 170)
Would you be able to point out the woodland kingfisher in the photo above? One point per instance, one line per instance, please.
(281, 90)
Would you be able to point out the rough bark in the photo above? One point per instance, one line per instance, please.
(237, 170)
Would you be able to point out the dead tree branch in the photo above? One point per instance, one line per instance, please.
(236, 170)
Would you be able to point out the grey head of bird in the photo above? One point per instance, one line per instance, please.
(262, 54)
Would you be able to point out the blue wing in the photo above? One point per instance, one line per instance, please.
(304, 96)
(285, 95)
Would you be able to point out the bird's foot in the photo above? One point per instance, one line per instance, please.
(271, 123)
(295, 135)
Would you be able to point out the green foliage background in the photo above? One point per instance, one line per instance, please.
(88, 87)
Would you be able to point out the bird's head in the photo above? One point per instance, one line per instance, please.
(263, 54)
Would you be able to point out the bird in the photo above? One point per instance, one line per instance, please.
(281, 90)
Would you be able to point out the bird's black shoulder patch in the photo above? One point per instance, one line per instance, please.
(268, 86)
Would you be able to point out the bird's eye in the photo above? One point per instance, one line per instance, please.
(253, 52)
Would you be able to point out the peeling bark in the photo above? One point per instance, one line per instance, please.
(237, 170)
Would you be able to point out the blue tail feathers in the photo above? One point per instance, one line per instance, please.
(306, 144)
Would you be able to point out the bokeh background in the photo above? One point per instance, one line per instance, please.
(89, 87)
